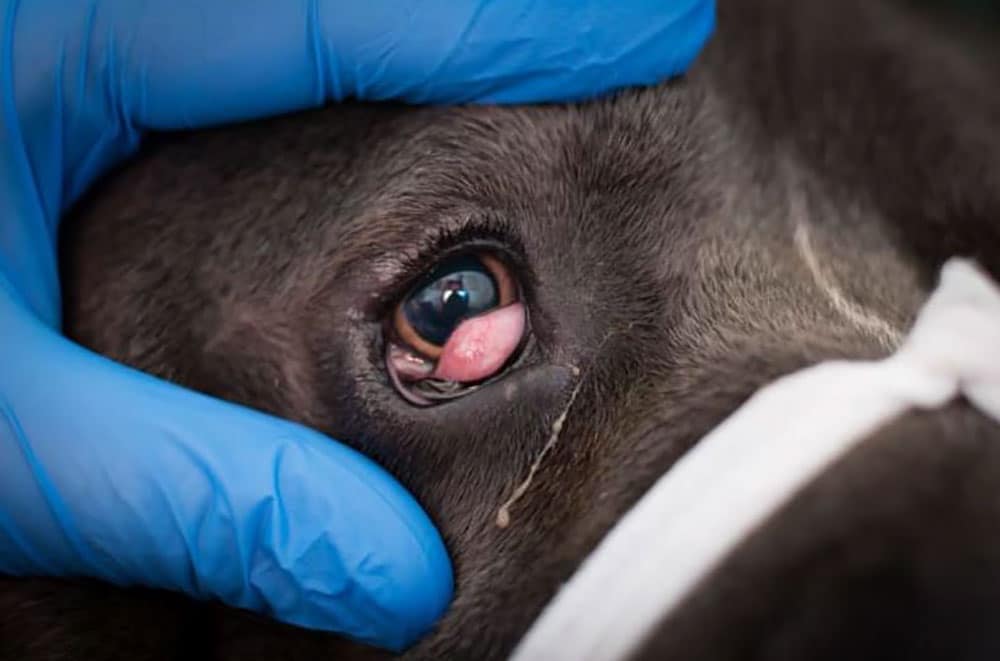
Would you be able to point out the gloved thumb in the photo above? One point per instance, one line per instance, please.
(113, 474)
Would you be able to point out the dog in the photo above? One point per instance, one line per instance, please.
(789, 201)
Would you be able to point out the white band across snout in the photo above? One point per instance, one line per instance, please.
(756, 460)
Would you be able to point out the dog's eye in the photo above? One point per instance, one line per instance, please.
(460, 288)
(457, 327)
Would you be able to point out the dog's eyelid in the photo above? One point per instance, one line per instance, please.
(470, 231)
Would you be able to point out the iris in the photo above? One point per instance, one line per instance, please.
(458, 288)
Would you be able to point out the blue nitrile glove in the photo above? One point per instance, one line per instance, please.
(106, 472)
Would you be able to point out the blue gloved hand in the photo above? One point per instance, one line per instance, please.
(108, 473)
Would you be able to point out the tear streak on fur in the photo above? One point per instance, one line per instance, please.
(862, 318)
(503, 514)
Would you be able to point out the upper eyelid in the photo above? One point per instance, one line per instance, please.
(400, 273)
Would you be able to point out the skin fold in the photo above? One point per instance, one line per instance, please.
(789, 201)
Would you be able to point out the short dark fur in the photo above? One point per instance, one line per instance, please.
(654, 235)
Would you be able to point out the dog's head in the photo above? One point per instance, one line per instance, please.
(673, 249)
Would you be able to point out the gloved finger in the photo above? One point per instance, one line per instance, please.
(81, 79)
(121, 64)
(180, 491)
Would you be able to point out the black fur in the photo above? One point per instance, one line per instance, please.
(654, 237)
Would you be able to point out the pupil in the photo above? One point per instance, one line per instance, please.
(457, 289)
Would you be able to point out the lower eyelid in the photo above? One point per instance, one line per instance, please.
(408, 365)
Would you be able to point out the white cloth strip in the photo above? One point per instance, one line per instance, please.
(753, 463)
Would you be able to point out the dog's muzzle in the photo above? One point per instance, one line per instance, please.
(811, 419)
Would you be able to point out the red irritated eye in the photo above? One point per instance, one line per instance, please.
(460, 325)
(480, 346)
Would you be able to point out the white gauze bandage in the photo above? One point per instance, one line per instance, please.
(753, 463)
